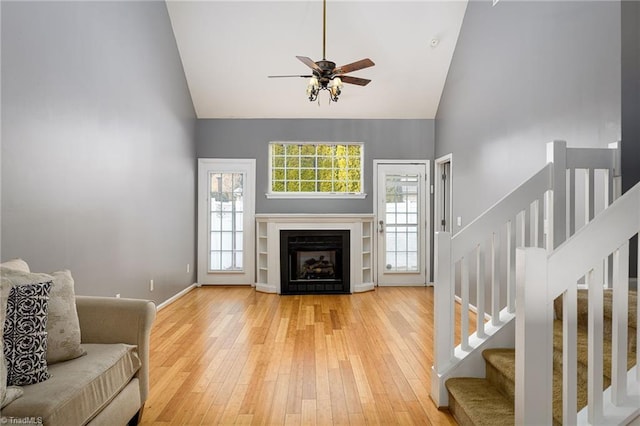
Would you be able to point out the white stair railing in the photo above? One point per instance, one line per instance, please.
(476, 267)
(541, 278)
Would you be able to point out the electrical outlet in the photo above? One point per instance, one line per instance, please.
(459, 221)
(150, 285)
(118, 296)
(188, 268)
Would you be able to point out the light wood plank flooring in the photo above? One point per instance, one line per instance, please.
(231, 355)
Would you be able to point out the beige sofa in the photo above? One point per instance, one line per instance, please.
(106, 386)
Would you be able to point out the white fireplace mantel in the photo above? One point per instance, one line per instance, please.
(268, 227)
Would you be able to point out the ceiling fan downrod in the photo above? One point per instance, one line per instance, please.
(324, 29)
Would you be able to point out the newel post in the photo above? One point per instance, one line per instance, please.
(557, 227)
(534, 334)
(443, 316)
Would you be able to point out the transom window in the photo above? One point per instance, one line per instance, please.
(315, 169)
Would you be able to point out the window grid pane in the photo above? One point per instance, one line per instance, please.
(401, 223)
(316, 168)
(225, 241)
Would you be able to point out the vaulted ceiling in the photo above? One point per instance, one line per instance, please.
(228, 48)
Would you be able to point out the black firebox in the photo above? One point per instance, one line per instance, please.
(314, 261)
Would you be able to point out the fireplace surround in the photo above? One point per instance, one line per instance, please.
(268, 250)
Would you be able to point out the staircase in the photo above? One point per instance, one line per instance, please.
(490, 400)
(562, 232)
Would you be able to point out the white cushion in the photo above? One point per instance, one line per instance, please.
(78, 389)
(63, 326)
(17, 264)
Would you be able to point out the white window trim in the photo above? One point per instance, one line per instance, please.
(317, 195)
(281, 195)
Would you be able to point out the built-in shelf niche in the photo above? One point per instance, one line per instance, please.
(367, 252)
(268, 227)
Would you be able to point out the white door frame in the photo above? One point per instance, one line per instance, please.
(426, 256)
(437, 196)
(247, 275)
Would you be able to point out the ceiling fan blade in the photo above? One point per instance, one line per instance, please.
(309, 62)
(354, 66)
(355, 80)
(286, 76)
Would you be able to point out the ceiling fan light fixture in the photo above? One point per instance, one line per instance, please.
(335, 88)
(313, 88)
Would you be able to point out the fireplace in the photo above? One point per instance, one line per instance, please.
(314, 261)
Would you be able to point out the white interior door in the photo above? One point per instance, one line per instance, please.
(402, 221)
(442, 196)
(226, 215)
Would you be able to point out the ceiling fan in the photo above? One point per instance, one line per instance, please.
(325, 75)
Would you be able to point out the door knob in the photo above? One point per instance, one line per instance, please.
(381, 228)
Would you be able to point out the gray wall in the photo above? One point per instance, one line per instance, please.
(631, 104)
(525, 73)
(249, 138)
(98, 169)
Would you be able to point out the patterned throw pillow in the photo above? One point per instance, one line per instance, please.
(25, 333)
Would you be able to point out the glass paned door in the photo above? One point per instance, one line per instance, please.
(226, 194)
(402, 220)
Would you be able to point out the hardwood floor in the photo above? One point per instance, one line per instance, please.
(231, 355)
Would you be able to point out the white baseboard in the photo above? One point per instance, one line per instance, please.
(359, 288)
(176, 297)
(265, 288)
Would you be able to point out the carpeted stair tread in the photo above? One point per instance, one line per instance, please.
(478, 402)
(583, 350)
(501, 372)
(502, 359)
(501, 369)
(583, 313)
(490, 400)
(583, 308)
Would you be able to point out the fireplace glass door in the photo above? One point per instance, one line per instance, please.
(314, 261)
